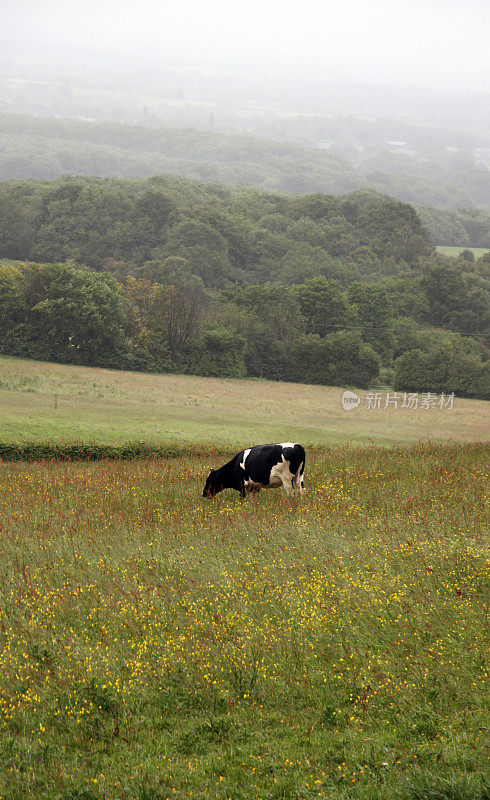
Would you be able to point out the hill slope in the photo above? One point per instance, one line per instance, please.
(32, 147)
(225, 234)
(114, 407)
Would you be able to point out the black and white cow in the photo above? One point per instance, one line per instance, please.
(265, 465)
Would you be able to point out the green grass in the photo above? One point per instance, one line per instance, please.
(157, 645)
(448, 250)
(111, 407)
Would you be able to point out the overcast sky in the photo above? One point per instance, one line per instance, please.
(440, 43)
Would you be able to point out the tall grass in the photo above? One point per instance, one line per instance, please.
(156, 644)
(45, 403)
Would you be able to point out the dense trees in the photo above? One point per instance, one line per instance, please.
(13, 306)
(374, 311)
(59, 313)
(325, 306)
(167, 274)
(444, 367)
(426, 175)
(312, 332)
(176, 313)
(203, 247)
(225, 236)
(455, 299)
(459, 227)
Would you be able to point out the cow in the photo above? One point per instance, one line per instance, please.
(265, 465)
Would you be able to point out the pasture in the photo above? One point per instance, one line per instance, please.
(107, 406)
(454, 250)
(157, 645)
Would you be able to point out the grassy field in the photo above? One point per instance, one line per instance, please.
(114, 407)
(157, 645)
(455, 251)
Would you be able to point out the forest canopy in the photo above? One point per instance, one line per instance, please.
(166, 274)
(225, 234)
(425, 174)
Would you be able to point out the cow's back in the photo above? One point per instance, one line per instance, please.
(258, 462)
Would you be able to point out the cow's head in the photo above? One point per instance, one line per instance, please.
(213, 485)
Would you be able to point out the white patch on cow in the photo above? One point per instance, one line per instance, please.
(280, 473)
(286, 444)
(245, 456)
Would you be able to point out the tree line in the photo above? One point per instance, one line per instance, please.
(168, 275)
(314, 332)
(33, 147)
(462, 227)
(225, 234)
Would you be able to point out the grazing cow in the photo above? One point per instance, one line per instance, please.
(265, 465)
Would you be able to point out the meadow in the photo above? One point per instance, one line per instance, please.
(42, 402)
(158, 645)
(454, 250)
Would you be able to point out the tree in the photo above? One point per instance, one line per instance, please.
(275, 305)
(13, 302)
(167, 271)
(177, 312)
(80, 318)
(356, 363)
(392, 228)
(453, 301)
(203, 247)
(119, 269)
(443, 369)
(467, 255)
(16, 229)
(300, 262)
(15, 330)
(218, 352)
(407, 296)
(375, 314)
(324, 306)
(138, 294)
(339, 359)
(154, 204)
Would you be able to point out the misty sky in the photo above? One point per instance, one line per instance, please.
(440, 43)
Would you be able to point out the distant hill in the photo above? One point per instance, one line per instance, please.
(225, 234)
(47, 148)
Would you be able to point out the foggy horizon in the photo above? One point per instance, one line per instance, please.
(389, 43)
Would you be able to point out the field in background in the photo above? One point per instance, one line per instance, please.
(157, 645)
(449, 250)
(115, 407)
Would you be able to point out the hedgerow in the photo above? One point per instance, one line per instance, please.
(95, 451)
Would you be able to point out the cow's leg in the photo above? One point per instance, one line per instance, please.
(299, 485)
(252, 488)
(288, 485)
(298, 479)
(243, 493)
(254, 492)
